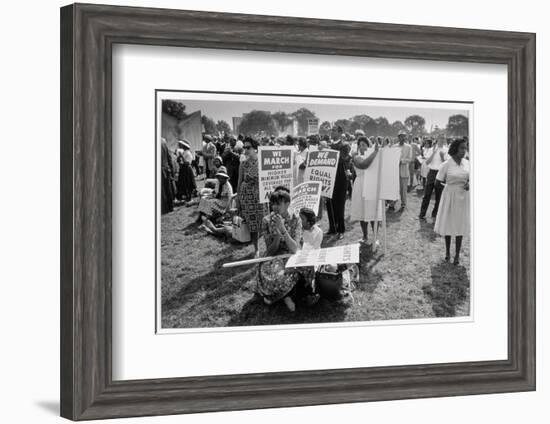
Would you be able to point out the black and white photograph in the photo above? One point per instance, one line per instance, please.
(280, 209)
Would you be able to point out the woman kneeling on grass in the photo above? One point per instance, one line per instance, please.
(453, 215)
(212, 207)
(282, 232)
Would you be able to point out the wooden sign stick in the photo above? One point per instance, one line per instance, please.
(378, 183)
(255, 260)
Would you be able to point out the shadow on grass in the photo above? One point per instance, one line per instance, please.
(218, 283)
(368, 277)
(426, 230)
(449, 289)
(393, 216)
(256, 312)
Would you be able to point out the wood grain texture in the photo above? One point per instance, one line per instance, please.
(88, 33)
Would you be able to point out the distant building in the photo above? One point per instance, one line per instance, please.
(291, 129)
(236, 124)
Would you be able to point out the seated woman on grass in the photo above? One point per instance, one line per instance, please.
(282, 233)
(213, 206)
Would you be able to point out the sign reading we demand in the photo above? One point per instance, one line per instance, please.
(321, 166)
(275, 169)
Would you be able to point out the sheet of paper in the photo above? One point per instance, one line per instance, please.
(348, 254)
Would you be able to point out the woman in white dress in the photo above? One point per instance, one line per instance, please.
(363, 210)
(453, 216)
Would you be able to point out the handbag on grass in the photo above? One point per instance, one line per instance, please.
(240, 231)
(336, 282)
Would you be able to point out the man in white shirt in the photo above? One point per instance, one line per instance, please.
(406, 158)
(434, 162)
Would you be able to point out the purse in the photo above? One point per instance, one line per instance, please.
(239, 230)
(336, 282)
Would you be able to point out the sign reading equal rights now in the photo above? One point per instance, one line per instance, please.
(275, 169)
(321, 166)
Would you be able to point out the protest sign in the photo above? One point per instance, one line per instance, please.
(388, 176)
(275, 166)
(321, 166)
(348, 254)
(312, 126)
(305, 195)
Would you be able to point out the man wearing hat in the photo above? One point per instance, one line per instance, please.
(208, 153)
(437, 156)
(404, 174)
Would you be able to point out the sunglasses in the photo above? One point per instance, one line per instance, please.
(248, 147)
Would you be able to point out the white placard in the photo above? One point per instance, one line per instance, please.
(348, 254)
(276, 168)
(389, 176)
(305, 195)
(321, 165)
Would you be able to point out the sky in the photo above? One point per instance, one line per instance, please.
(225, 110)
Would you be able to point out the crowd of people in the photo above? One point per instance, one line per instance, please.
(229, 167)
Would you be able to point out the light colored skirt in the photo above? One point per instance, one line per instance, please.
(361, 209)
(453, 215)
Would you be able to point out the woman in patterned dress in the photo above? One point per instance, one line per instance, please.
(453, 215)
(282, 233)
(248, 189)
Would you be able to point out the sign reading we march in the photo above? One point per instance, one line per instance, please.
(321, 166)
(305, 195)
(275, 169)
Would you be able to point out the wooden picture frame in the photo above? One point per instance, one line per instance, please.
(88, 33)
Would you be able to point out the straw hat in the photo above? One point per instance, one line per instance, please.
(222, 171)
(184, 143)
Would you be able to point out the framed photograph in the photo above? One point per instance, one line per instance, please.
(263, 211)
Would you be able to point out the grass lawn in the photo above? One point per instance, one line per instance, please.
(411, 281)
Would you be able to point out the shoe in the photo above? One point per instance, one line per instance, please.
(312, 299)
(340, 236)
(447, 258)
(290, 304)
(422, 217)
(456, 261)
(330, 233)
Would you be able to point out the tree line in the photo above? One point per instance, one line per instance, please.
(268, 123)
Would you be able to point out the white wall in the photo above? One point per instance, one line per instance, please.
(30, 214)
